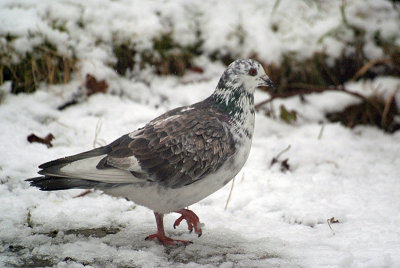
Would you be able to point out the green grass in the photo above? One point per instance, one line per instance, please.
(166, 57)
(43, 64)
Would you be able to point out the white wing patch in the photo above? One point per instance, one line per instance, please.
(128, 163)
(188, 108)
(160, 122)
(86, 169)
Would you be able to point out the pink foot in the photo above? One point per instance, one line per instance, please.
(192, 220)
(167, 241)
(160, 235)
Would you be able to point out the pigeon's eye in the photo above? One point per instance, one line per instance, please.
(253, 72)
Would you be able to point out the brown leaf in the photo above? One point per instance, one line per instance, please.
(93, 86)
(46, 140)
(333, 220)
(285, 165)
(196, 69)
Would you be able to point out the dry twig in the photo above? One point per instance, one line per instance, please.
(230, 193)
(368, 66)
(275, 159)
(84, 193)
(97, 142)
(332, 220)
(387, 108)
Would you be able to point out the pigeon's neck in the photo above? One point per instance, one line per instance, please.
(238, 104)
(234, 101)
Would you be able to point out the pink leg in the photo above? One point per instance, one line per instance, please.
(160, 235)
(192, 220)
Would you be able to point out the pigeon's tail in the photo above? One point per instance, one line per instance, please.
(57, 178)
(82, 171)
(52, 183)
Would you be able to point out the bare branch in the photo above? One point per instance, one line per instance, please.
(368, 66)
(303, 89)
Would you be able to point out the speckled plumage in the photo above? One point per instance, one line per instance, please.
(176, 159)
(177, 148)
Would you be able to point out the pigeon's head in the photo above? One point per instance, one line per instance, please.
(248, 74)
(236, 87)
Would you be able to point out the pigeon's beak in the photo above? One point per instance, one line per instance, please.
(265, 82)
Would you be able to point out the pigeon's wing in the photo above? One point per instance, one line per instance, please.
(173, 150)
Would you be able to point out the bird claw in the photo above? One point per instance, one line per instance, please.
(167, 241)
(192, 220)
(178, 221)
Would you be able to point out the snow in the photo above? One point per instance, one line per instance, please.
(274, 218)
(300, 26)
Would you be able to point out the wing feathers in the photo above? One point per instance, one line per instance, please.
(49, 183)
(175, 149)
(69, 159)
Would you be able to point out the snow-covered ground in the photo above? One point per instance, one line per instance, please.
(274, 218)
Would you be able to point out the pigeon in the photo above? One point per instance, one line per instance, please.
(175, 160)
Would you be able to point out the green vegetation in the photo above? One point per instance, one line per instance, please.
(315, 71)
(166, 57)
(289, 116)
(374, 111)
(43, 64)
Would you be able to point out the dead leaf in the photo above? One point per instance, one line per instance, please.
(332, 220)
(93, 86)
(285, 165)
(46, 140)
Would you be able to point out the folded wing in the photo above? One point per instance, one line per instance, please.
(173, 150)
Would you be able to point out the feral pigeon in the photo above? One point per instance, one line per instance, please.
(175, 160)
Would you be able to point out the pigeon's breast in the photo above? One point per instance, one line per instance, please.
(242, 134)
